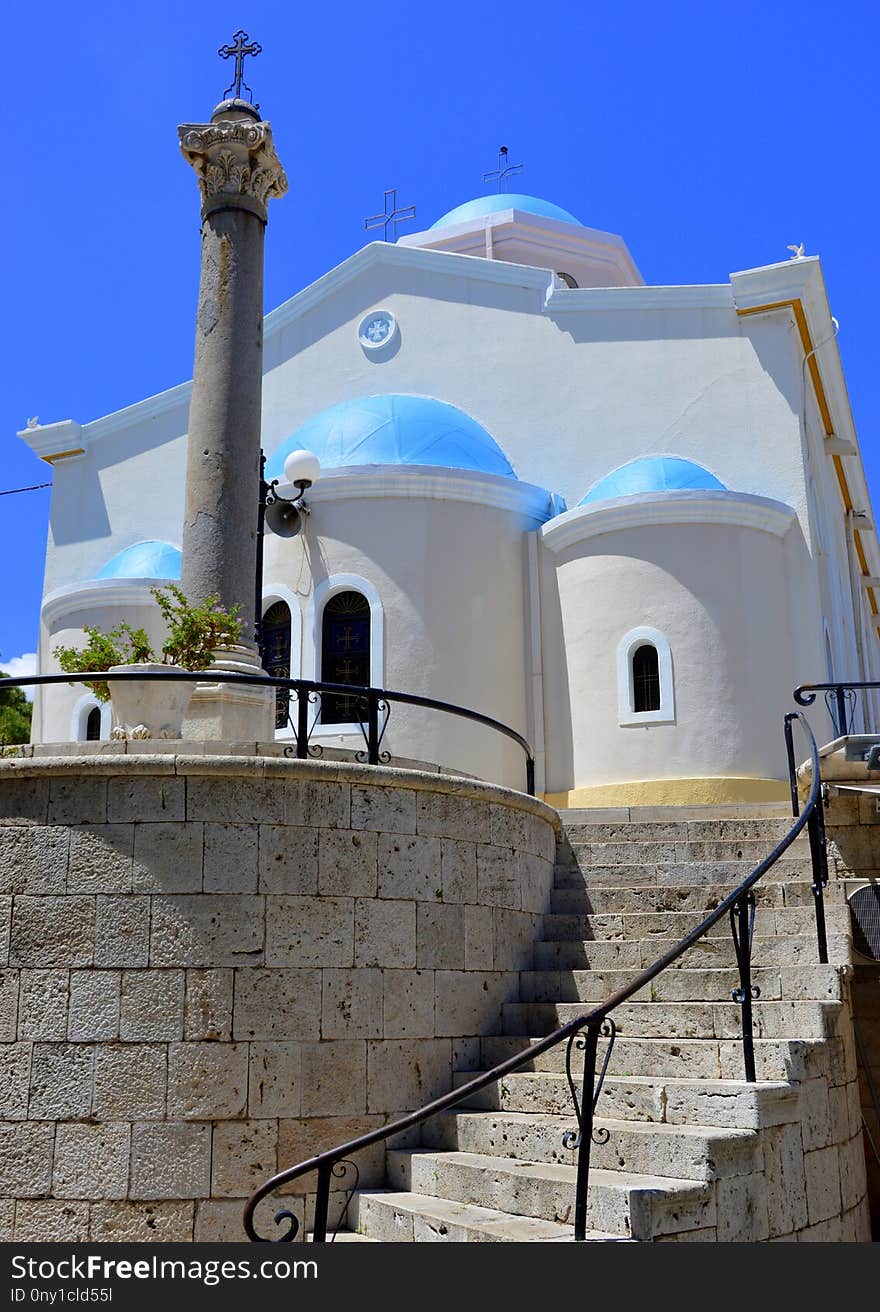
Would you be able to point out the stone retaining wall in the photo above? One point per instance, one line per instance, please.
(854, 849)
(215, 966)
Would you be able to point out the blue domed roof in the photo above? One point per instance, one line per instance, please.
(394, 429)
(652, 474)
(476, 209)
(143, 560)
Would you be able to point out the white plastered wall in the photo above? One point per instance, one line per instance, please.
(720, 596)
(572, 384)
(450, 577)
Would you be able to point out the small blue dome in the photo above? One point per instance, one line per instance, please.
(652, 474)
(476, 209)
(394, 429)
(144, 560)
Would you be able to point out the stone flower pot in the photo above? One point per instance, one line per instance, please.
(149, 708)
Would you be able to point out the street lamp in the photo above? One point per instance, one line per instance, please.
(281, 515)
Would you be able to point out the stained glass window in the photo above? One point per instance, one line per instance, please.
(345, 653)
(276, 655)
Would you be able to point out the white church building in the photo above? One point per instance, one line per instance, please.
(625, 520)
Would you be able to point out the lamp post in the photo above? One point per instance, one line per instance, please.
(282, 515)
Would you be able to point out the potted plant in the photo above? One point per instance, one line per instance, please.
(153, 708)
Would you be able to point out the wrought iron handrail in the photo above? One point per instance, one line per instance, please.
(843, 695)
(739, 905)
(374, 701)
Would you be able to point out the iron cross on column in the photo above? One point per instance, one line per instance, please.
(503, 171)
(391, 215)
(239, 51)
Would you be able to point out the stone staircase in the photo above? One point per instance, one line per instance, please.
(690, 1151)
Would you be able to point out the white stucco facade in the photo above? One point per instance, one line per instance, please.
(482, 588)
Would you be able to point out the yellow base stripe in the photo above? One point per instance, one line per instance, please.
(673, 792)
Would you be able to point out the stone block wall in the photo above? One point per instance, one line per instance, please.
(854, 849)
(866, 1015)
(215, 966)
(814, 1167)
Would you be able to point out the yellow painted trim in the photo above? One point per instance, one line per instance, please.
(673, 792)
(806, 341)
(800, 318)
(60, 455)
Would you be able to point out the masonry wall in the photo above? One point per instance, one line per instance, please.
(866, 1015)
(216, 966)
(854, 847)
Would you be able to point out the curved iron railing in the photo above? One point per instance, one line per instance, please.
(739, 906)
(840, 698)
(372, 706)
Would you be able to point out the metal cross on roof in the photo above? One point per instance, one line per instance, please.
(503, 171)
(239, 51)
(390, 215)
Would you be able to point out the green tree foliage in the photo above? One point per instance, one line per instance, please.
(15, 715)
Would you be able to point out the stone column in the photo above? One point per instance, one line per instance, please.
(238, 174)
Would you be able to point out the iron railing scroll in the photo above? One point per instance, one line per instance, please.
(841, 700)
(581, 1034)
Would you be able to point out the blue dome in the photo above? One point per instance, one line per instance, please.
(652, 474)
(144, 560)
(476, 209)
(394, 430)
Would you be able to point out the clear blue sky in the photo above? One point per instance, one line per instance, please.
(710, 135)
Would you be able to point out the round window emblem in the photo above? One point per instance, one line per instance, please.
(377, 330)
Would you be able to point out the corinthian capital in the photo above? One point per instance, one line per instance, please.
(236, 163)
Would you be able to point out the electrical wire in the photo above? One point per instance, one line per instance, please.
(35, 487)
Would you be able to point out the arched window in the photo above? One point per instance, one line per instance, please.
(90, 721)
(645, 678)
(645, 693)
(276, 655)
(345, 653)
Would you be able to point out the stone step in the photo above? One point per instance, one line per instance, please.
(689, 897)
(703, 984)
(664, 814)
(345, 1237)
(664, 1058)
(732, 830)
(728, 873)
(394, 1216)
(769, 921)
(679, 1020)
(570, 952)
(621, 1203)
(686, 1152)
(645, 1098)
(606, 899)
(749, 851)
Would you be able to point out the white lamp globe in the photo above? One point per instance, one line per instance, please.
(302, 468)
